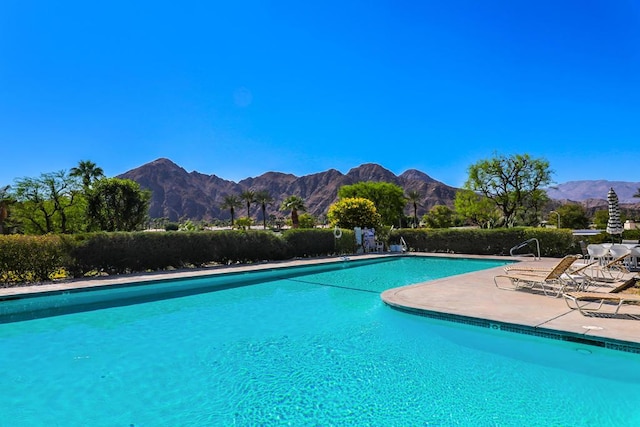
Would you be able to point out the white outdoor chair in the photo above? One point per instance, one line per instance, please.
(617, 251)
(634, 254)
(598, 253)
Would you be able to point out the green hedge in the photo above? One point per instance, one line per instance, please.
(304, 242)
(607, 238)
(30, 258)
(553, 243)
(130, 252)
(40, 258)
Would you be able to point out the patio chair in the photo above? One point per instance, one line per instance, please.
(598, 252)
(585, 253)
(619, 251)
(553, 283)
(590, 302)
(634, 254)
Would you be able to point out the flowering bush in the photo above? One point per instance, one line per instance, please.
(353, 212)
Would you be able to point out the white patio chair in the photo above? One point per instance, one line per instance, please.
(598, 253)
(634, 254)
(617, 251)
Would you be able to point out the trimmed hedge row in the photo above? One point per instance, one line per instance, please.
(304, 242)
(38, 258)
(553, 243)
(30, 258)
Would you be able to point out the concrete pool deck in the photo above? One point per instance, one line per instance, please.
(468, 298)
(474, 298)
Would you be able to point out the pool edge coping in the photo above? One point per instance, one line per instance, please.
(548, 333)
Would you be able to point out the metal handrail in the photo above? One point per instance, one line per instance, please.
(522, 245)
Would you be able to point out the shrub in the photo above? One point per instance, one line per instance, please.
(29, 258)
(37, 258)
(310, 242)
(353, 212)
(486, 241)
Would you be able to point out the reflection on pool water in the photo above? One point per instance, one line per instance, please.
(317, 349)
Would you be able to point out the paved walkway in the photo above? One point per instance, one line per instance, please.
(470, 298)
(474, 296)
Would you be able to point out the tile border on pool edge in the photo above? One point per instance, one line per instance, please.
(607, 343)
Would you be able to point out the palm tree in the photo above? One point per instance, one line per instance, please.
(87, 171)
(231, 202)
(414, 197)
(249, 197)
(264, 198)
(294, 204)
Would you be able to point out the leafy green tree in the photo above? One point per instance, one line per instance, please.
(88, 172)
(414, 197)
(573, 216)
(439, 216)
(476, 209)
(510, 182)
(6, 200)
(350, 212)
(49, 203)
(306, 220)
(117, 205)
(293, 204)
(231, 202)
(600, 219)
(388, 198)
(531, 213)
(263, 198)
(249, 198)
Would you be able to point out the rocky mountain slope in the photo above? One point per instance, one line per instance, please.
(579, 191)
(178, 194)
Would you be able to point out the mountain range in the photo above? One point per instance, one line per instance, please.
(178, 194)
(588, 190)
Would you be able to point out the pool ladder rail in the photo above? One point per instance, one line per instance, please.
(404, 245)
(522, 245)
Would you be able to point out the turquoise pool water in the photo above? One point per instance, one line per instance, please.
(317, 349)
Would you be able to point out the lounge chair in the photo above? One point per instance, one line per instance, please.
(589, 302)
(611, 271)
(577, 273)
(553, 283)
(534, 269)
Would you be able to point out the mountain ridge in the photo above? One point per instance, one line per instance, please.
(178, 194)
(580, 191)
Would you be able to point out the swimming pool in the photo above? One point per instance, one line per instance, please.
(313, 349)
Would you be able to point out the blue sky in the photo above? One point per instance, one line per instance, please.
(239, 88)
